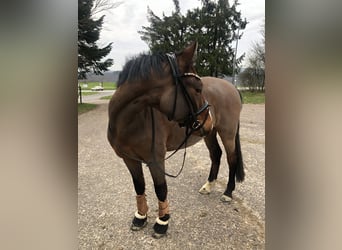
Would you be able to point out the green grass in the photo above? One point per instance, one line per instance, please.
(84, 107)
(106, 97)
(253, 97)
(106, 85)
(89, 93)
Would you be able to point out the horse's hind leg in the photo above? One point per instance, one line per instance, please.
(140, 216)
(234, 157)
(215, 156)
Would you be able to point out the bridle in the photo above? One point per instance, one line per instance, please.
(190, 121)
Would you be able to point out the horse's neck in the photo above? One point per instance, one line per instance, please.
(131, 100)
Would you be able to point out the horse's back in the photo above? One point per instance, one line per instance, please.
(225, 102)
(221, 89)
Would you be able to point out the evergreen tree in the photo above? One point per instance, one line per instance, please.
(213, 25)
(89, 54)
(167, 33)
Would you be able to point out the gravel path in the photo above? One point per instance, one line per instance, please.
(106, 197)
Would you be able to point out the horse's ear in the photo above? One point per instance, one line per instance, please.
(189, 54)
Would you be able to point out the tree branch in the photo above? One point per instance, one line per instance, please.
(104, 5)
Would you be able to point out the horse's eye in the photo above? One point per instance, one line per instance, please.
(198, 90)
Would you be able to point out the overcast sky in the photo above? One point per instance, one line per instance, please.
(121, 25)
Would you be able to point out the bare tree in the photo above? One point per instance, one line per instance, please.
(254, 76)
(104, 5)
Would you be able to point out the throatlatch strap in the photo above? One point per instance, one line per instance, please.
(163, 208)
(142, 204)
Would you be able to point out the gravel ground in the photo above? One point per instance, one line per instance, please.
(106, 197)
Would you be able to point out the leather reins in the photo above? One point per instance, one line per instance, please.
(191, 123)
(192, 118)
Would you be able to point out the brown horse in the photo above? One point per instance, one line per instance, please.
(161, 104)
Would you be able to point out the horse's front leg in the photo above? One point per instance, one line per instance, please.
(162, 222)
(215, 156)
(140, 216)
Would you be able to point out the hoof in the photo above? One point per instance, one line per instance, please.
(226, 198)
(161, 226)
(206, 188)
(139, 222)
(157, 235)
(138, 227)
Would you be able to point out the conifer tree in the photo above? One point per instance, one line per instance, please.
(89, 53)
(214, 25)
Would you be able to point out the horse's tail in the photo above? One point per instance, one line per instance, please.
(240, 172)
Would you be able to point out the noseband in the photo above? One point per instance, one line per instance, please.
(191, 122)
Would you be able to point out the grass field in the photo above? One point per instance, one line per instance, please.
(84, 107)
(106, 97)
(106, 85)
(253, 97)
(88, 93)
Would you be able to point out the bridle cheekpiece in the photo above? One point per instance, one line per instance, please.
(191, 122)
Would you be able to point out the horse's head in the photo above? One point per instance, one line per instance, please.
(183, 101)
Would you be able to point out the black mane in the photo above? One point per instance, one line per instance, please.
(139, 67)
